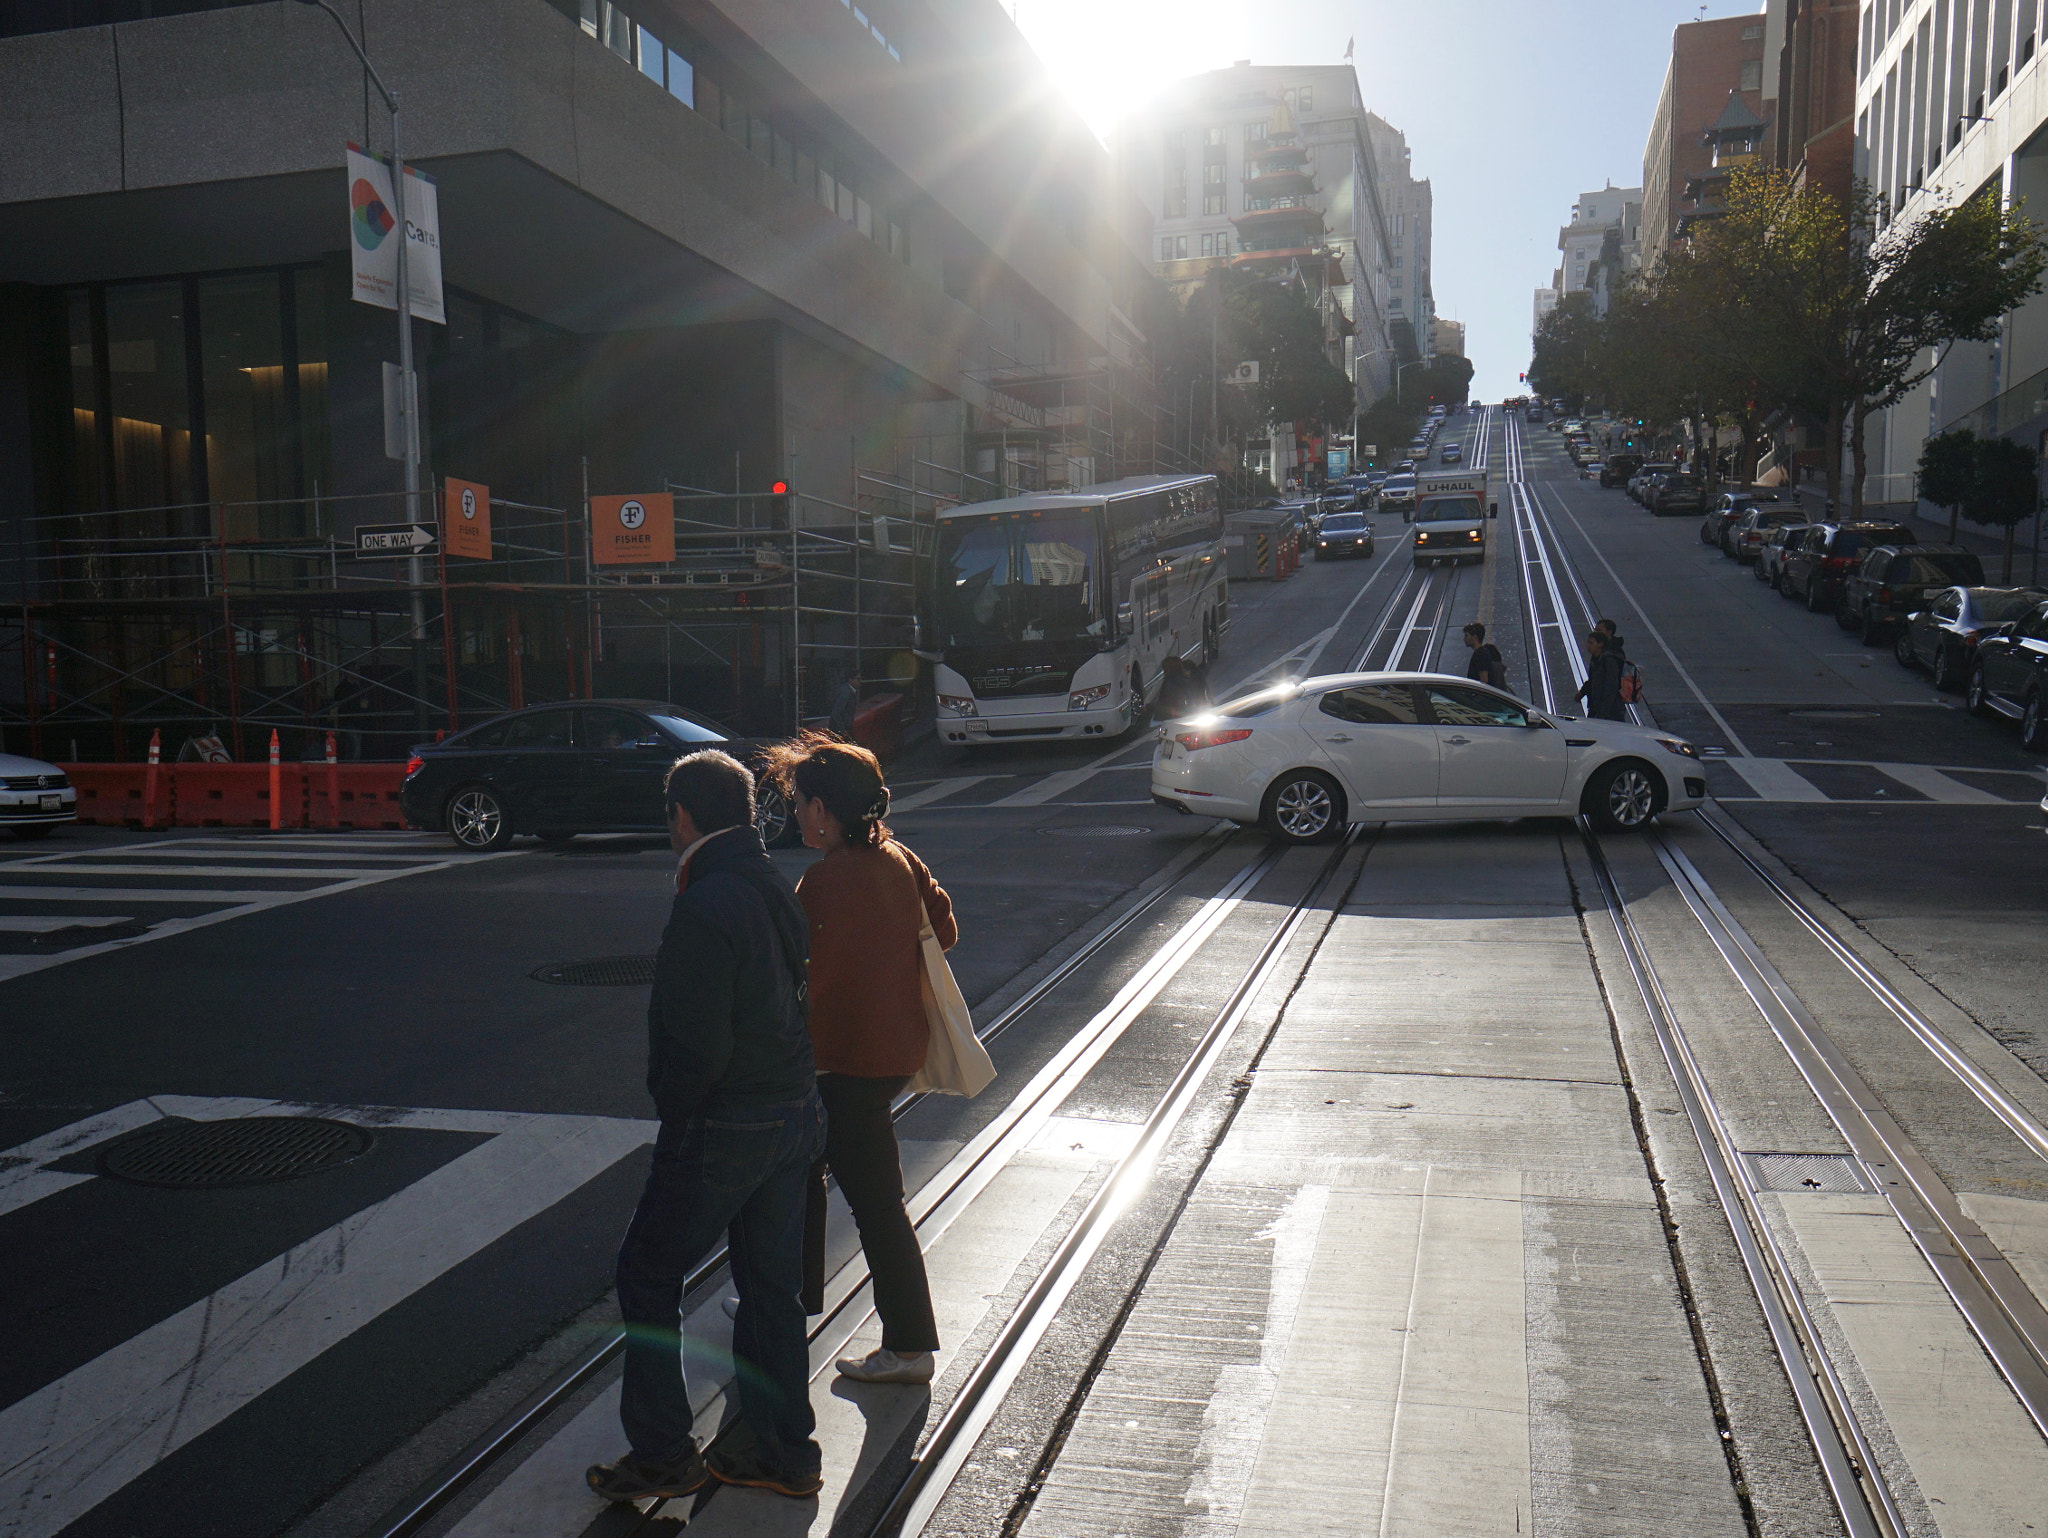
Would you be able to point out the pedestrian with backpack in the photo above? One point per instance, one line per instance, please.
(1631, 685)
(1602, 689)
(869, 903)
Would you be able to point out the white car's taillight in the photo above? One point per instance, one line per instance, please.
(1210, 737)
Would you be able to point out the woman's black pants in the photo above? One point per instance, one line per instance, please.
(860, 1151)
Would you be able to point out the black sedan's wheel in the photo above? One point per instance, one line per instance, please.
(476, 819)
(1623, 796)
(1902, 648)
(1977, 697)
(772, 818)
(2033, 724)
(1304, 807)
(1945, 670)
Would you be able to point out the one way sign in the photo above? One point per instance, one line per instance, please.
(394, 539)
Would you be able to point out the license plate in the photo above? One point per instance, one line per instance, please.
(53, 803)
(977, 726)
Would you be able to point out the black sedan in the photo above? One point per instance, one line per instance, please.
(595, 766)
(2010, 677)
(1343, 534)
(1943, 636)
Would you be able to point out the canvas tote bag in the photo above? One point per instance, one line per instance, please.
(955, 1063)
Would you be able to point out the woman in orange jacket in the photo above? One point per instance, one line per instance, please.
(868, 900)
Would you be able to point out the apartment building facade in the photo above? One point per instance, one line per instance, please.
(1410, 205)
(1710, 61)
(1192, 152)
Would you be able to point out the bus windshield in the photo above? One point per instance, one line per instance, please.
(1004, 578)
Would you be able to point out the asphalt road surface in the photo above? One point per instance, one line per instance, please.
(299, 1356)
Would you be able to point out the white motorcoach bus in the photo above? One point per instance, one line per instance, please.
(1054, 612)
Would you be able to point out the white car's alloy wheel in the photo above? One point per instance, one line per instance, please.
(1303, 809)
(1631, 797)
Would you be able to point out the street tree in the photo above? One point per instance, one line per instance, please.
(2003, 490)
(1948, 468)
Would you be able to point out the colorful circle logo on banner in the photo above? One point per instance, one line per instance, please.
(468, 503)
(370, 219)
(632, 514)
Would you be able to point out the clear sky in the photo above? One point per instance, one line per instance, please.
(1512, 109)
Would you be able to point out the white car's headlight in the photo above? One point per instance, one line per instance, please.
(1676, 745)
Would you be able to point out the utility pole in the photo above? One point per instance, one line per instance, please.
(408, 383)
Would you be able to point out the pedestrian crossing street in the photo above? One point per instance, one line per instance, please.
(109, 1428)
(82, 901)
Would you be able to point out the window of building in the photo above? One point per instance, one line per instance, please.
(1752, 32)
(1212, 175)
(1752, 77)
(1255, 133)
(1308, 98)
(1166, 248)
(1176, 203)
(1215, 136)
(1180, 248)
(1213, 203)
(1209, 245)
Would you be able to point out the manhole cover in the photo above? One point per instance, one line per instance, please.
(1105, 830)
(1810, 1173)
(240, 1151)
(599, 972)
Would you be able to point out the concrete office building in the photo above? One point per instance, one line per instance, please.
(705, 247)
(1448, 337)
(1546, 301)
(1191, 152)
(1951, 101)
(1709, 60)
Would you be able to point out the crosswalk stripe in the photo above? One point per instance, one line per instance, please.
(937, 792)
(75, 1442)
(1774, 780)
(75, 894)
(325, 851)
(1937, 786)
(267, 873)
(1061, 781)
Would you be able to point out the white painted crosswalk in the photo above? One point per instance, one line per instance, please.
(84, 901)
(68, 1446)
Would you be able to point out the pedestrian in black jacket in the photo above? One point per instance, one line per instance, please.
(729, 1067)
(1486, 665)
(1602, 689)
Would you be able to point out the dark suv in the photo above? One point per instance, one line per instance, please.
(1680, 493)
(1826, 551)
(1893, 581)
(1616, 471)
(2010, 677)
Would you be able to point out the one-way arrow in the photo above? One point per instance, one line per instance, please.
(387, 539)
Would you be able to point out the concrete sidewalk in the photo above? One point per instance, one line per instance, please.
(1423, 1287)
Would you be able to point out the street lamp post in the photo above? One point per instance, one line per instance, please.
(408, 387)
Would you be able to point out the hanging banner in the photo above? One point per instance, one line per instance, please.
(466, 519)
(630, 531)
(372, 232)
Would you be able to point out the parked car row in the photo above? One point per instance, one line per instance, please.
(1929, 601)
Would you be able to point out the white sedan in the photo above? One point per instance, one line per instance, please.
(1304, 759)
(34, 796)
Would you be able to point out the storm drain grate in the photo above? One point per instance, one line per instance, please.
(1105, 830)
(239, 1151)
(1812, 1173)
(599, 972)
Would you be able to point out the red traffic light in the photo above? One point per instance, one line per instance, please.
(779, 488)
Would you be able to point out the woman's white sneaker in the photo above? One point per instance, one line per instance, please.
(886, 1366)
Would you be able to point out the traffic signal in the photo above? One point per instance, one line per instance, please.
(778, 505)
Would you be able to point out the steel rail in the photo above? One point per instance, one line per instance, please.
(410, 1515)
(946, 1449)
(1847, 1463)
(1841, 1447)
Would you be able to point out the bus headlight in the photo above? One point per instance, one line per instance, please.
(953, 705)
(1082, 699)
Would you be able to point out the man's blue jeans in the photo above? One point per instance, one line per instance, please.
(738, 1171)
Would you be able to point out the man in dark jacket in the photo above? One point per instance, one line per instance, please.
(729, 1066)
(1602, 689)
(1486, 665)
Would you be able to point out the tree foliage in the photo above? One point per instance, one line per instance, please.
(1948, 466)
(1792, 299)
(2004, 489)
